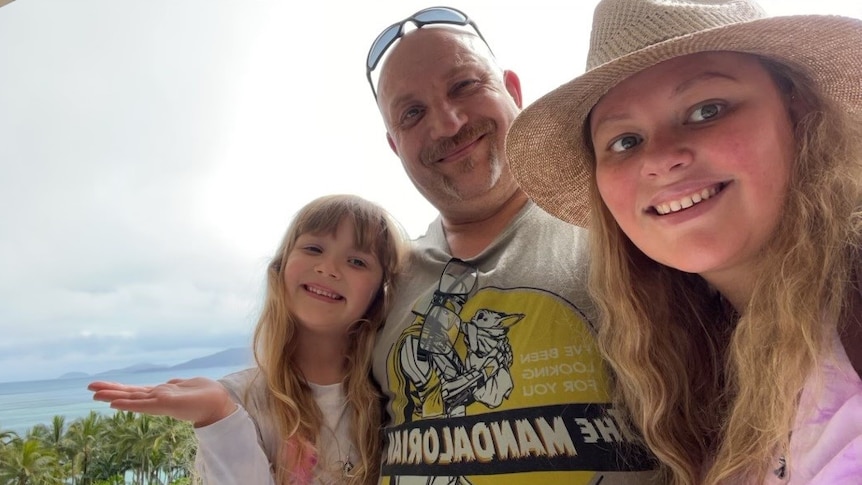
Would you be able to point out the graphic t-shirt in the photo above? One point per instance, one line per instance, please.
(491, 369)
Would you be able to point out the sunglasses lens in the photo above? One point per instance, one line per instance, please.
(380, 45)
(442, 15)
(433, 15)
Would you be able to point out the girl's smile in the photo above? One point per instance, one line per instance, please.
(330, 281)
(323, 293)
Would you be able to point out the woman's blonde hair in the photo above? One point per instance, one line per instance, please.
(712, 389)
(275, 338)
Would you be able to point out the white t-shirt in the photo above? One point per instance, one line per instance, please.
(226, 451)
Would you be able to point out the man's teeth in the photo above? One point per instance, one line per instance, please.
(318, 291)
(687, 201)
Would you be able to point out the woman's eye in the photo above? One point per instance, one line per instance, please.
(625, 142)
(705, 112)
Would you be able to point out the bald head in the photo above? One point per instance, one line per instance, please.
(447, 106)
(421, 50)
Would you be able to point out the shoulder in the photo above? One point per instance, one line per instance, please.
(245, 385)
(536, 228)
(535, 216)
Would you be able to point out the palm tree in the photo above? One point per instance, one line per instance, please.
(28, 462)
(156, 449)
(7, 436)
(176, 445)
(84, 445)
(99, 450)
(133, 441)
(52, 434)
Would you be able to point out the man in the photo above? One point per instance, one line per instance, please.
(487, 360)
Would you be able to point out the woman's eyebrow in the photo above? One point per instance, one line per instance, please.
(704, 76)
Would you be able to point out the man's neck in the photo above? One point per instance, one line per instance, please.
(467, 237)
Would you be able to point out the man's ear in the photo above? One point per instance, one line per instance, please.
(391, 143)
(513, 86)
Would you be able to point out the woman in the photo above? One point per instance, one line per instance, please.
(717, 153)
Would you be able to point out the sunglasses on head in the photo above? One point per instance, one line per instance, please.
(428, 16)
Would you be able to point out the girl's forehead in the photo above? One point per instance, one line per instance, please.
(363, 238)
(323, 224)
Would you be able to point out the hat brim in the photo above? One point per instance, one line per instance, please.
(546, 148)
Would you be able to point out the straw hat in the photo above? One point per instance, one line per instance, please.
(546, 146)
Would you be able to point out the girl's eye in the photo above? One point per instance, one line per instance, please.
(705, 112)
(358, 262)
(312, 249)
(625, 142)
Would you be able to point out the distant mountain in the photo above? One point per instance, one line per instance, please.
(74, 375)
(226, 358)
(133, 369)
(230, 357)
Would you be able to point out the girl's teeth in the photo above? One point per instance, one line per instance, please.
(323, 293)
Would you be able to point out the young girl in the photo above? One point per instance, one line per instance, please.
(315, 411)
(716, 154)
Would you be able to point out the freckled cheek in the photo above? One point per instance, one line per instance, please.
(617, 190)
(773, 186)
(738, 147)
(767, 170)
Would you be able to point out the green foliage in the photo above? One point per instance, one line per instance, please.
(100, 450)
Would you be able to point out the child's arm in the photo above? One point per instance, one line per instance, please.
(229, 453)
(199, 400)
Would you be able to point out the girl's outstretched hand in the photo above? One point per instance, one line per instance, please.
(199, 400)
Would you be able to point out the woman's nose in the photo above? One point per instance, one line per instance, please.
(664, 155)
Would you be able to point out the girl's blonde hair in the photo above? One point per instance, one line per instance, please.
(713, 389)
(275, 338)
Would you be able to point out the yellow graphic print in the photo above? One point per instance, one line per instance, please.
(490, 381)
(555, 362)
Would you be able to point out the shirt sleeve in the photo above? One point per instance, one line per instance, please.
(229, 452)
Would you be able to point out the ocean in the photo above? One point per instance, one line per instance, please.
(28, 403)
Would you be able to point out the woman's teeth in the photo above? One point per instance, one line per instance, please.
(687, 201)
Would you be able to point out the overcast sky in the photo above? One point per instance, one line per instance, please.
(153, 152)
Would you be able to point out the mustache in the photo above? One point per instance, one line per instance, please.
(439, 149)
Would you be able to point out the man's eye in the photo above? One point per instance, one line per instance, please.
(411, 115)
(625, 142)
(463, 85)
(705, 112)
